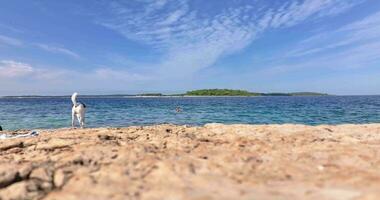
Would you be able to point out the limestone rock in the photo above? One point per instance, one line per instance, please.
(54, 144)
(215, 161)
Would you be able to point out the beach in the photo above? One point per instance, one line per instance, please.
(214, 161)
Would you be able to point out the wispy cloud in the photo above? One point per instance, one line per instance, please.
(192, 40)
(360, 56)
(13, 69)
(360, 32)
(25, 78)
(56, 49)
(294, 12)
(355, 45)
(10, 28)
(10, 41)
(117, 75)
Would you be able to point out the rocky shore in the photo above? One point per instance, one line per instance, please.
(282, 162)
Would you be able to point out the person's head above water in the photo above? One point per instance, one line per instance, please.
(178, 109)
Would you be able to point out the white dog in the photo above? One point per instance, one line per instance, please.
(77, 111)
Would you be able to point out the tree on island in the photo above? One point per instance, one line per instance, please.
(229, 92)
(220, 92)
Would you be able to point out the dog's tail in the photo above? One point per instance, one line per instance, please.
(74, 98)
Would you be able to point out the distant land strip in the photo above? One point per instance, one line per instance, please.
(202, 92)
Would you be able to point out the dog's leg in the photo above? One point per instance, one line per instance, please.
(82, 120)
(72, 119)
(82, 123)
(79, 119)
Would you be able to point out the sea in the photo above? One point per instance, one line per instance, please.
(55, 112)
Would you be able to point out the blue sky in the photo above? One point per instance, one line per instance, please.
(169, 46)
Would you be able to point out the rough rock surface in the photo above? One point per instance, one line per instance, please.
(282, 162)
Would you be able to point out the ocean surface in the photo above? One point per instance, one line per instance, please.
(55, 112)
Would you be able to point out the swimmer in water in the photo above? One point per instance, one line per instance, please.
(178, 109)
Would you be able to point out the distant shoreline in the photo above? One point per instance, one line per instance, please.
(164, 96)
(193, 93)
(169, 96)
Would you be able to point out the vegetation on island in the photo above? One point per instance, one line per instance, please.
(220, 92)
(229, 92)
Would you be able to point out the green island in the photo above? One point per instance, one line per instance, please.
(220, 92)
(229, 92)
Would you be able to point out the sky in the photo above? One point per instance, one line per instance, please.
(171, 46)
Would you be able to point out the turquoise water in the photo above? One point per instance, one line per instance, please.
(32, 113)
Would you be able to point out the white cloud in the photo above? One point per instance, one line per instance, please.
(55, 49)
(295, 12)
(352, 47)
(360, 32)
(13, 69)
(191, 40)
(10, 28)
(10, 41)
(116, 75)
(27, 75)
(359, 56)
(174, 17)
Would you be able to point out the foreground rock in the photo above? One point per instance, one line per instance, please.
(179, 162)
